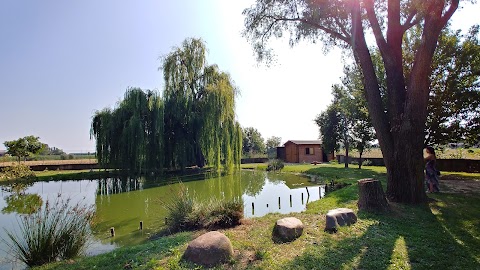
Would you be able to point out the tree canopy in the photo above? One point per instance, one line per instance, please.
(253, 142)
(454, 104)
(399, 117)
(24, 147)
(346, 119)
(192, 124)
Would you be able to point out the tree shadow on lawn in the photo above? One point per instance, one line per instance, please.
(410, 237)
(347, 176)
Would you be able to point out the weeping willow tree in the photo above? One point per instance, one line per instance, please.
(130, 137)
(200, 125)
(193, 124)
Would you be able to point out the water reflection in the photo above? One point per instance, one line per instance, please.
(118, 185)
(17, 201)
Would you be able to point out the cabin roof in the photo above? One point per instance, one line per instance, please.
(304, 142)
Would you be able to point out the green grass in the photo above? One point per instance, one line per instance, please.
(146, 256)
(444, 234)
(71, 175)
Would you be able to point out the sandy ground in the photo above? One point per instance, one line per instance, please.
(460, 186)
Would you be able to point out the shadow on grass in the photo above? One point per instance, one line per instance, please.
(143, 256)
(411, 237)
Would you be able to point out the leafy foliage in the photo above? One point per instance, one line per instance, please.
(454, 105)
(346, 120)
(24, 147)
(193, 124)
(253, 142)
(271, 145)
(16, 172)
(130, 136)
(275, 165)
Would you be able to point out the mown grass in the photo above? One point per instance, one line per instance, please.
(443, 234)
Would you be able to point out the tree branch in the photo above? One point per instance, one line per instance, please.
(316, 25)
(448, 14)
(412, 19)
(377, 31)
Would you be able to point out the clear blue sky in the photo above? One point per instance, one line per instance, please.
(62, 60)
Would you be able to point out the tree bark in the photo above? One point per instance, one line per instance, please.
(371, 196)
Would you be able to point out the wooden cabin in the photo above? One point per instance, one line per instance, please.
(297, 151)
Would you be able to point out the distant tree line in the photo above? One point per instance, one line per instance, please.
(192, 124)
(254, 144)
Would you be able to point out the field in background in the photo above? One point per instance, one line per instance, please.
(49, 162)
(460, 153)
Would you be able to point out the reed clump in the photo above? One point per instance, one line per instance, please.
(57, 231)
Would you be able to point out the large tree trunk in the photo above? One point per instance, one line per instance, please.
(405, 168)
(400, 132)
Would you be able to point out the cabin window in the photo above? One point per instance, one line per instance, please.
(309, 151)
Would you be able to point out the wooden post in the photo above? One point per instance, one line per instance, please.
(302, 197)
(290, 200)
(112, 231)
(253, 208)
(371, 196)
(279, 203)
(141, 225)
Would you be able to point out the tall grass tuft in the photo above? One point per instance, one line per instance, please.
(186, 212)
(180, 211)
(55, 232)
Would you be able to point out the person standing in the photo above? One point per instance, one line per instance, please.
(431, 173)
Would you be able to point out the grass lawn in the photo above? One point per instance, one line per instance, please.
(445, 234)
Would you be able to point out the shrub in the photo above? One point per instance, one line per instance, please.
(180, 211)
(185, 212)
(17, 171)
(275, 165)
(367, 162)
(55, 232)
(222, 214)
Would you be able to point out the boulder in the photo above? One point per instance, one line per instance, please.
(339, 217)
(288, 229)
(209, 249)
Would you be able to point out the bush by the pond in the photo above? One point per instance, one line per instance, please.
(367, 162)
(55, 232)
(275, 165)
(186, 212)
(17, 171)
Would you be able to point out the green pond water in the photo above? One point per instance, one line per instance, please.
(124, 203)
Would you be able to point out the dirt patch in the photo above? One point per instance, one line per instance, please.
(460, 186)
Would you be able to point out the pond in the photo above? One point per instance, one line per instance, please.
(124, 203)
